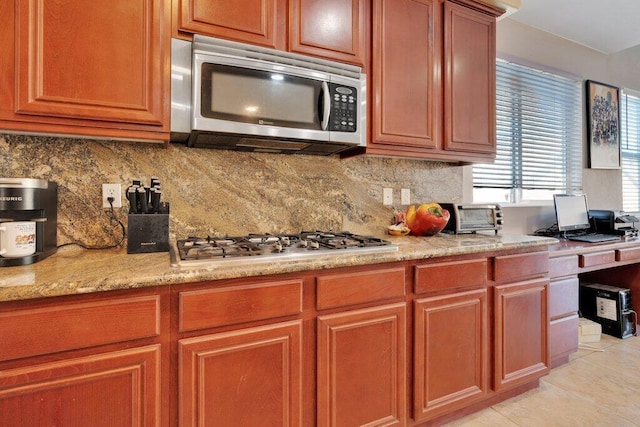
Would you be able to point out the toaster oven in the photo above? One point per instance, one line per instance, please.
(469, 217)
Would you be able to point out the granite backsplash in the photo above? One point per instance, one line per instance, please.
(216, 191)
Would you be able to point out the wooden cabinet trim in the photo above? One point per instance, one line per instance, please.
(450, 275)
(520, 266)
(209, 308)
(28, 332)
(340, 290)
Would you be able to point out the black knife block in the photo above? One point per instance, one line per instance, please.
(148, 233)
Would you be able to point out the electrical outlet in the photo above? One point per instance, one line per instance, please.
(387, 196)
(405, 196)
(111, 190)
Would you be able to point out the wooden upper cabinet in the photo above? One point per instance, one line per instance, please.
(433, 79)
(261, 22)
(334, 29)
(405, 76)
(331, 29)
(470, 80)
(103, 62)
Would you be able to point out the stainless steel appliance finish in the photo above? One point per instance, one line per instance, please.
(236, 96)
(27, 199)
(470, 217)
(256, 248)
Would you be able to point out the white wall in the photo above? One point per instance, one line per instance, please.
(537, 48)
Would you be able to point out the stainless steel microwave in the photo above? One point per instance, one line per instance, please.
(236, 96)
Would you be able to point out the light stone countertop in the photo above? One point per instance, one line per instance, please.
(77, 271)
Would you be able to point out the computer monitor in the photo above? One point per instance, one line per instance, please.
(572, 213)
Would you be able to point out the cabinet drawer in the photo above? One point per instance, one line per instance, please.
(563, 336)
(210, 308)
(628, 254)
(450, 275)
(69, 326)
(563, 266)
(521, 266)
(563, 297)
(339, 290)
(596, 258)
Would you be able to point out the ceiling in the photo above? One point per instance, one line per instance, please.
(606, 26)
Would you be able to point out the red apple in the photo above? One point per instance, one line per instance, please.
(427, 220)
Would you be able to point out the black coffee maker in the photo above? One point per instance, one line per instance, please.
(27, 199)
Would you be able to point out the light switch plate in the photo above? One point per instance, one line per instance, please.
(405, 196)
(387, 196)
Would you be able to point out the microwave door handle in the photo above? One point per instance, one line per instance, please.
(326, 105)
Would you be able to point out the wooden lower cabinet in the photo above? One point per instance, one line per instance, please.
(362, 367)
(328, 348)
(247, 377)
(90, 360)
(520, 324)
(451, 357)
(119, 388)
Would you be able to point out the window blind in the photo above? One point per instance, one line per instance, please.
(538, 129)
(630, 148)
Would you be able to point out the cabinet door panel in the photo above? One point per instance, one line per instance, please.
(451, 362)
(469, 95)
(112, 389)
(335, 29)
(520, 321)
(361, 367)
(248, 377)
(405, 75)
(261, 22)
(102, 62)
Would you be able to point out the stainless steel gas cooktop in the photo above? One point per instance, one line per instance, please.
(254, 248)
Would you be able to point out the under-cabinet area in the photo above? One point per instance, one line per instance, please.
(371, 344)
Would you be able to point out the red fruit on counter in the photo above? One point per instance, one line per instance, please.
(427, 220)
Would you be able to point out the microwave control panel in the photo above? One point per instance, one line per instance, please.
(344, 114)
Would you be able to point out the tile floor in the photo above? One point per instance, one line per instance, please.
(596, 388)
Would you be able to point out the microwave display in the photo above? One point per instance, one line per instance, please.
(260, 97)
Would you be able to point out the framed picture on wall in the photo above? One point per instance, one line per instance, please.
(603, 125)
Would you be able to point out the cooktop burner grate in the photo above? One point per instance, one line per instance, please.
(271, 247)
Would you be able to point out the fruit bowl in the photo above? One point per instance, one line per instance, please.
(398, 230)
